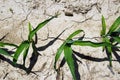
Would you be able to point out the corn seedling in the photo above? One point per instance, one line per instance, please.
(23, 48)
(106, 43)
(111, 37)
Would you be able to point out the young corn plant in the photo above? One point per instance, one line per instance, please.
(68, 51)
(107, 44)
(111, 37)
(23, 48)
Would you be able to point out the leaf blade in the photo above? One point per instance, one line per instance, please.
(40, 25)
(59, 51)
(30, 27)
(25, 54)
(103, 31)
(74, 34)
(89, 43)
(114, 26)
(69, 59)
(22, 48)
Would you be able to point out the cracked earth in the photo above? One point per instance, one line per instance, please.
(74, 14)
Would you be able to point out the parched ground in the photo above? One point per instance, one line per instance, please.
(74, 14)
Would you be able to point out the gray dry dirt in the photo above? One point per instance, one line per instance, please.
(74, 15)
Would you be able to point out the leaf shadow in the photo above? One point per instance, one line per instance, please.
(75, 64)
(34, 56)
(82, 56)
(77, 55)
(28, 69)
(42, 48)
(76, 67)
(3, 37)
(117, 56)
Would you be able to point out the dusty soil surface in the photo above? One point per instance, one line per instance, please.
(74, 15)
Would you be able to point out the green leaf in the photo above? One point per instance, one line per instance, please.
(42, 24)
(69, 59)
(30, 27)
(21, 49)
(74, 34)
(59, 51)
(25, 54)
(89, 43)
(2, 44)
(114, 26)
(3, 52)
(103, 31)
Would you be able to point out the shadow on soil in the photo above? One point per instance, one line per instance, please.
(77, 55)
(35, 55)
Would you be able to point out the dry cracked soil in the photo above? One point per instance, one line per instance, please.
(74, 14)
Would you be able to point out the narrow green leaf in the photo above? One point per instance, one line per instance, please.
(59, 51)
(3, 52)
(25, 54)
(89, 43)
(69, 59)
(74, 34)
(114, 26)
(21, 49)
(103, 31)
(2, 44)
(42, 24)
(30, 27)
